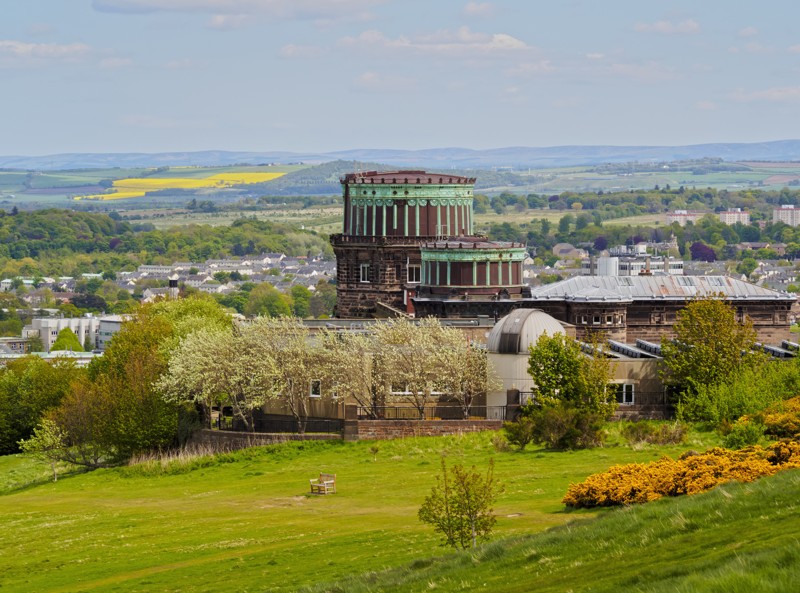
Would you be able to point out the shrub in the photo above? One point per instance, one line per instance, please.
(748, 392)
(519, 433)
(501, 443)
(690, 474)
(563, 426)
(658, 433)
(744, 433)
(782, 419)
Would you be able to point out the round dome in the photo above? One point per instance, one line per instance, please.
(520, 329)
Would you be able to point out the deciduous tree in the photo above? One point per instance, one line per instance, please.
(67, 340)
(460, 505)
(561, 371)
(412, 359)
(48, 443)
(710, 347)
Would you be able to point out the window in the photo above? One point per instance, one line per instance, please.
(625, 394)
(364, 273)
(414, 273)
(315, 388)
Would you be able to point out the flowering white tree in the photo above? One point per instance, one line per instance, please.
(301, 364)
(414, 359)
(222, 367)
(350, 366)
(466, 373)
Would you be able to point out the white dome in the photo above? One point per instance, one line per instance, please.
(520, 329)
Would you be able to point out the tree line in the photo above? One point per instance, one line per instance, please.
(64, 242)
(175, 361)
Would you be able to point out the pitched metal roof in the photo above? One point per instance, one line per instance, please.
(599, 288)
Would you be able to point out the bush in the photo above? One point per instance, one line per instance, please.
(782, 419)
(519, 433)
(750, 391)
(658, 433)
(563, 426)
(690, 474)
(744, 433)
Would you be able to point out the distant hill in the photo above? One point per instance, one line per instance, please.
(324, 179)
(434, 158)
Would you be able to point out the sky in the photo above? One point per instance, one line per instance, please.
(325, 75)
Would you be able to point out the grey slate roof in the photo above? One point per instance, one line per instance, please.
(654, 288)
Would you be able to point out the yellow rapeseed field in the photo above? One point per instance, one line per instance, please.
(136, 187)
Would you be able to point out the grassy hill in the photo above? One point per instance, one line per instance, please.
(243, 522)
(737, 538)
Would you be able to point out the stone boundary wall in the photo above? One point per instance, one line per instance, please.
(372, 430)
(229, 440)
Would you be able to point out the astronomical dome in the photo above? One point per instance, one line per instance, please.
(519, 329)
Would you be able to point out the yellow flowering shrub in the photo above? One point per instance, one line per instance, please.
(689, 474)
(783, 419)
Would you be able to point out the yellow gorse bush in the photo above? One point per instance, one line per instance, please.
(783, 419)
(135, 187)
(690, 474)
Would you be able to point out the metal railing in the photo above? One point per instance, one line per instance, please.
(435, 412)
(286, 424)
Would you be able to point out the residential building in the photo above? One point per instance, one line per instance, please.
(787, 214)
(734, 215)
(684, 216)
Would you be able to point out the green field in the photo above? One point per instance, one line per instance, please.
(244, 521)
(738, 538)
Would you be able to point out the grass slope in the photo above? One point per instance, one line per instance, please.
(739, 538)
(243, 522)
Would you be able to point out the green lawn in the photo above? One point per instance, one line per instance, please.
(244, 522)
(738, 538)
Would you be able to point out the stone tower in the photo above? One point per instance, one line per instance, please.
(387, 216)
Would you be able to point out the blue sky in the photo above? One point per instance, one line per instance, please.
(321, 75)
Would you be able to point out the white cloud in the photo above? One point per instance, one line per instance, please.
(756, 48)
(454, 44)
(514, 95)
(531, 68)
(479, 9)
(752, 47)
(292, 51)
(22, 54)
(274, 9)
(789, 94)
(748, 32)
(688, 26)
(228, 22)
(375, 82)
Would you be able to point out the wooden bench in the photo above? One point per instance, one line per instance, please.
(326, 484)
